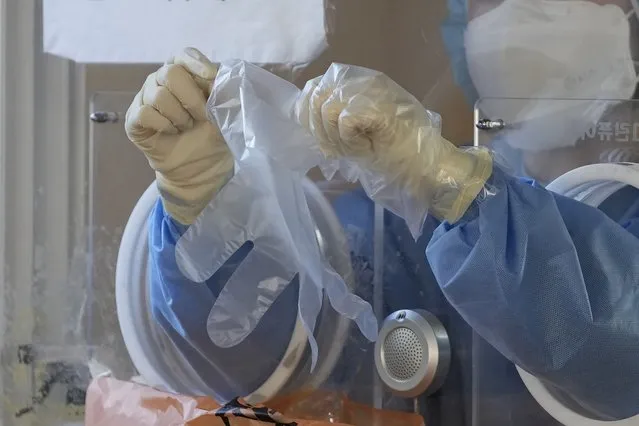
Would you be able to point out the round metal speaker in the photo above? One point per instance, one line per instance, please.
(412, 353)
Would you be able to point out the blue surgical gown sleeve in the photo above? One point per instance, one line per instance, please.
(553, 284)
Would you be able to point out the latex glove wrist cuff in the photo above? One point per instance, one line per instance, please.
(460, 178)
(443, 182)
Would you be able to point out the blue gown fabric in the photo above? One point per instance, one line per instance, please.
(553, 285)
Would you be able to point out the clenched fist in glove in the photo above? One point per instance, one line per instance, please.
(168, 122)
(363, 116)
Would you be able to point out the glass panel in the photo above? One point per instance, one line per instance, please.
(527, 67)
(545, 138)
(119, 174)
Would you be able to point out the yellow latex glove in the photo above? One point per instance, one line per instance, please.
(364, 116)
(167, 121)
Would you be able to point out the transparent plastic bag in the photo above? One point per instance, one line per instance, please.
(263, 205)
(375, 132)
(382, 137)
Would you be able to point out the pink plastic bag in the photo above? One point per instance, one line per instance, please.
(111, 402)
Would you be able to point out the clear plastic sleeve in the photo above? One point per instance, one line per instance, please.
(372, 130)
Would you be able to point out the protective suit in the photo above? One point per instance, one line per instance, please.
(574, 305)
(549, 282)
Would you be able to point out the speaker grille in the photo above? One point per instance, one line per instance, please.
(403, 353)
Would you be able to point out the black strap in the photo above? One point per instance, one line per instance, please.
(235, 408)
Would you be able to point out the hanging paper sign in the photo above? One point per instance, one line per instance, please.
(150, 31)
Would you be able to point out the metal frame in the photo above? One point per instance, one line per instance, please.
(42, 195)
(18, 185)
(3, 178)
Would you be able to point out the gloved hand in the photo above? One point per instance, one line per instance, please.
(363, 116)
(168, 122)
